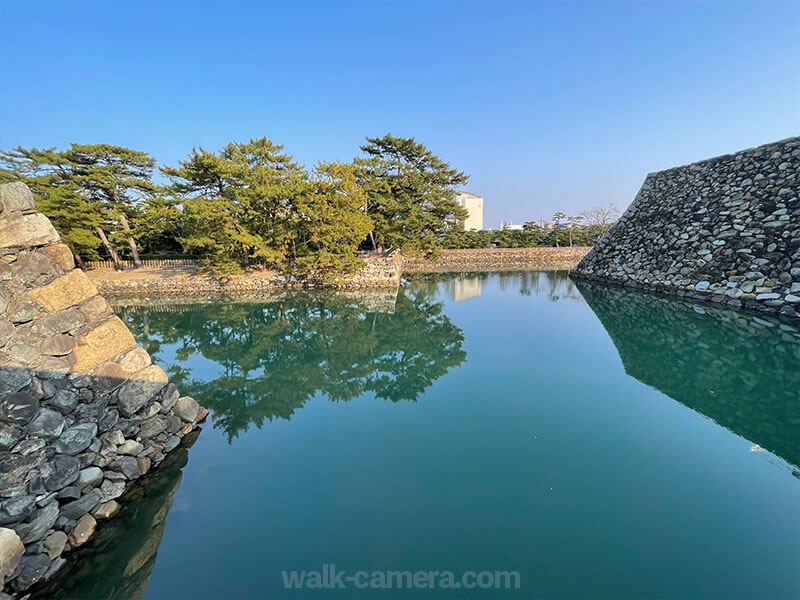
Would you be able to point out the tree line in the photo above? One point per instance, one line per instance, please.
(584, 229)
(251, 203)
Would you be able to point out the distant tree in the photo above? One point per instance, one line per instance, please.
(534, 232)
(410, 194)
(572, 222)
(558, 219)
(598, 220)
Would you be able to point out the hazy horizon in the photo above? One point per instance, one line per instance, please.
(548, 106)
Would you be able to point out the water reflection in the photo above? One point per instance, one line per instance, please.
(463, 288)
(739, 369)
(271, 357)
(118, 561)
(553, 285)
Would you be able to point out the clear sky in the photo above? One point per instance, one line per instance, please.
(548, 106)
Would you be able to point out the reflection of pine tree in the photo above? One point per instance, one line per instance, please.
(273, 357)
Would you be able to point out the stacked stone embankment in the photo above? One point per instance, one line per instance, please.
(498, 259)
(378, 272)
(83, 411)
(726, 229)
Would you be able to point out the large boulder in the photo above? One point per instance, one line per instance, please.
(15, 197)
(65, 291)
(187, 409)
(59, 473)
(21, 230)
(16, 509)
(32, 568)
(48, 424)
(84, 530)
(81, 506)
(97, 345)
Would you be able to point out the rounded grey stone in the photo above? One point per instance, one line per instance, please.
(76, 439)
(17, 509)
(78, 508)
(18, 408)
(48, 424)
(90, 477)
(59, 473)
(35, 529)
(64, 401)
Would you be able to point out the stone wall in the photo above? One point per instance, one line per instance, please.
(378, 272)
(83, 412)
(725, 229)
(498, 259)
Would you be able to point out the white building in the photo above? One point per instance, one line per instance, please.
(510, 225)
(474, 206)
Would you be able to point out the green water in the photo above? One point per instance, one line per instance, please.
(601, 444)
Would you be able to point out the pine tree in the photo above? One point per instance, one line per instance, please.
(410, 194)
(87, 190)
(238, 203)
(328, 223)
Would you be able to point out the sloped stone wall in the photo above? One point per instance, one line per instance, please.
(725, 229)
(83, 412)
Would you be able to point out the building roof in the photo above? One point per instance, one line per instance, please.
(470, 194)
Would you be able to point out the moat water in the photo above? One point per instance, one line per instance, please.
(600, 444)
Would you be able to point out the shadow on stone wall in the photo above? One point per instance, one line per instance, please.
(71, 444)
(118, 561)
(738, 369)
(83, 411)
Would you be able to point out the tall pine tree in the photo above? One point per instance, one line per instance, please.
(410, 194)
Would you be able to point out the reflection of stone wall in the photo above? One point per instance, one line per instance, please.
(372, 300)
(740, 370)
(725, 229)
(83, 412)
(498, 259)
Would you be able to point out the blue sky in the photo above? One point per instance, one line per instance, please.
(548, 106)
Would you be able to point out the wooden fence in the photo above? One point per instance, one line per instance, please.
(183, 263)
(148, 264)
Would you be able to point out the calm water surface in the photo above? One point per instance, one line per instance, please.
(603, 444)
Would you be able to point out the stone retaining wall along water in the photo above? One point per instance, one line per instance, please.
(498, 259)
(378, 272)
(83, 411)
(726, 229)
